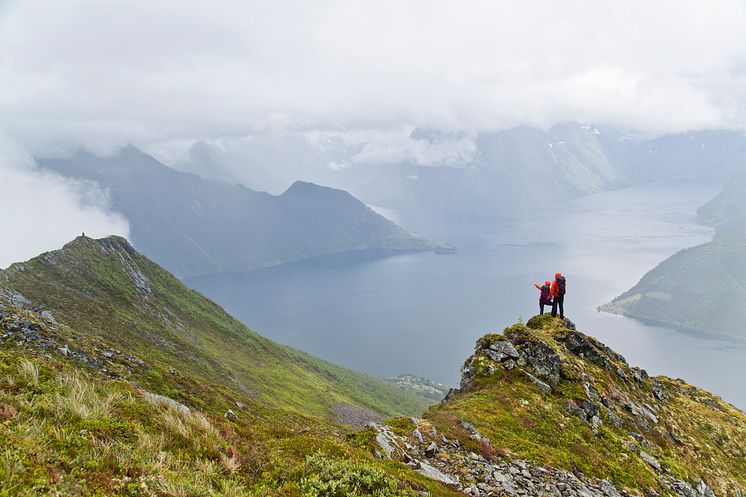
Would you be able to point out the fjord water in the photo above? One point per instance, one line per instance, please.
(421, 313)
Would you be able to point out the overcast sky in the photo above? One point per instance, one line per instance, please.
(103, 73)
(162, 74)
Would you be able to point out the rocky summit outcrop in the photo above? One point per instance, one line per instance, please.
(544, 409)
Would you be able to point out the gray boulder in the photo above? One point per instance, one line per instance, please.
(660, 391)
(652, 461)
(501, 350)
(536, 381)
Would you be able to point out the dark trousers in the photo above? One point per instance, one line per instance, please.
(542, 304)
(559, 300)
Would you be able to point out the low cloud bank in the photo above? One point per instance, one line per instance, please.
(42, 211)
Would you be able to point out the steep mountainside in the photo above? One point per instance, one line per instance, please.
(702, 287)
(114, 299)
(728, 205)
(545, 410)
(74, 421)
(559, 163)
(701, 154)
(194, 226)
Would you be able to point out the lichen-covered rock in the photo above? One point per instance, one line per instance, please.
(540, 384)
(542, 358)
(501, 350)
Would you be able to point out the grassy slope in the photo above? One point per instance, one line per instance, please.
(194, 351)
(520, 419)
(67, 431)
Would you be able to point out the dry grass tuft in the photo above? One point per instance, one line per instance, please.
(29, 372)
(79, 398)
(174, 423)
(7, 411)
(230, 462)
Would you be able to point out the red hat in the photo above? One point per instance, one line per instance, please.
(557, 275)
(547, 283)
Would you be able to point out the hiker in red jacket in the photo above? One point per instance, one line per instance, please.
(546, 295)
(557, 294)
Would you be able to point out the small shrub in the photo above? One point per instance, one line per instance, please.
(401, 426)
(330, 478)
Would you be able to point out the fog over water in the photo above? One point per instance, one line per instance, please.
(421, 313)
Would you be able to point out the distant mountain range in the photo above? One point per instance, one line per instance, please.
(490, 173)
(703, 287)
(194, 226)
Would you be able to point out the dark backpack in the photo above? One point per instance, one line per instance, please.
(545, 294)
(561, 285)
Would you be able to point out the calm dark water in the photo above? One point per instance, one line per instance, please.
(421, 313)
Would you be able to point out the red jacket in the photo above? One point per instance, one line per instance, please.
(554, 291)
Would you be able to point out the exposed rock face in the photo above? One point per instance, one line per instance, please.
(660, 391)
(433, 455)
(501, 350)
(541, 358)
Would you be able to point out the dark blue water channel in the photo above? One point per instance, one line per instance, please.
(421, 313)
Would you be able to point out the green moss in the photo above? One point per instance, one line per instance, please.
(541, 322)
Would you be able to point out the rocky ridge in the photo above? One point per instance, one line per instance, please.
(102, 304)
(435, 456)
(652, 430)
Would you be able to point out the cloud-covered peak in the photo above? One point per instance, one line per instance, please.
(105, 74)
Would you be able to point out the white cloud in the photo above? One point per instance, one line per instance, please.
(43, 211)
(149, 72)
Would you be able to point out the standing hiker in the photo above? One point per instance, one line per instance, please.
(558, 290)
(545, 298)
